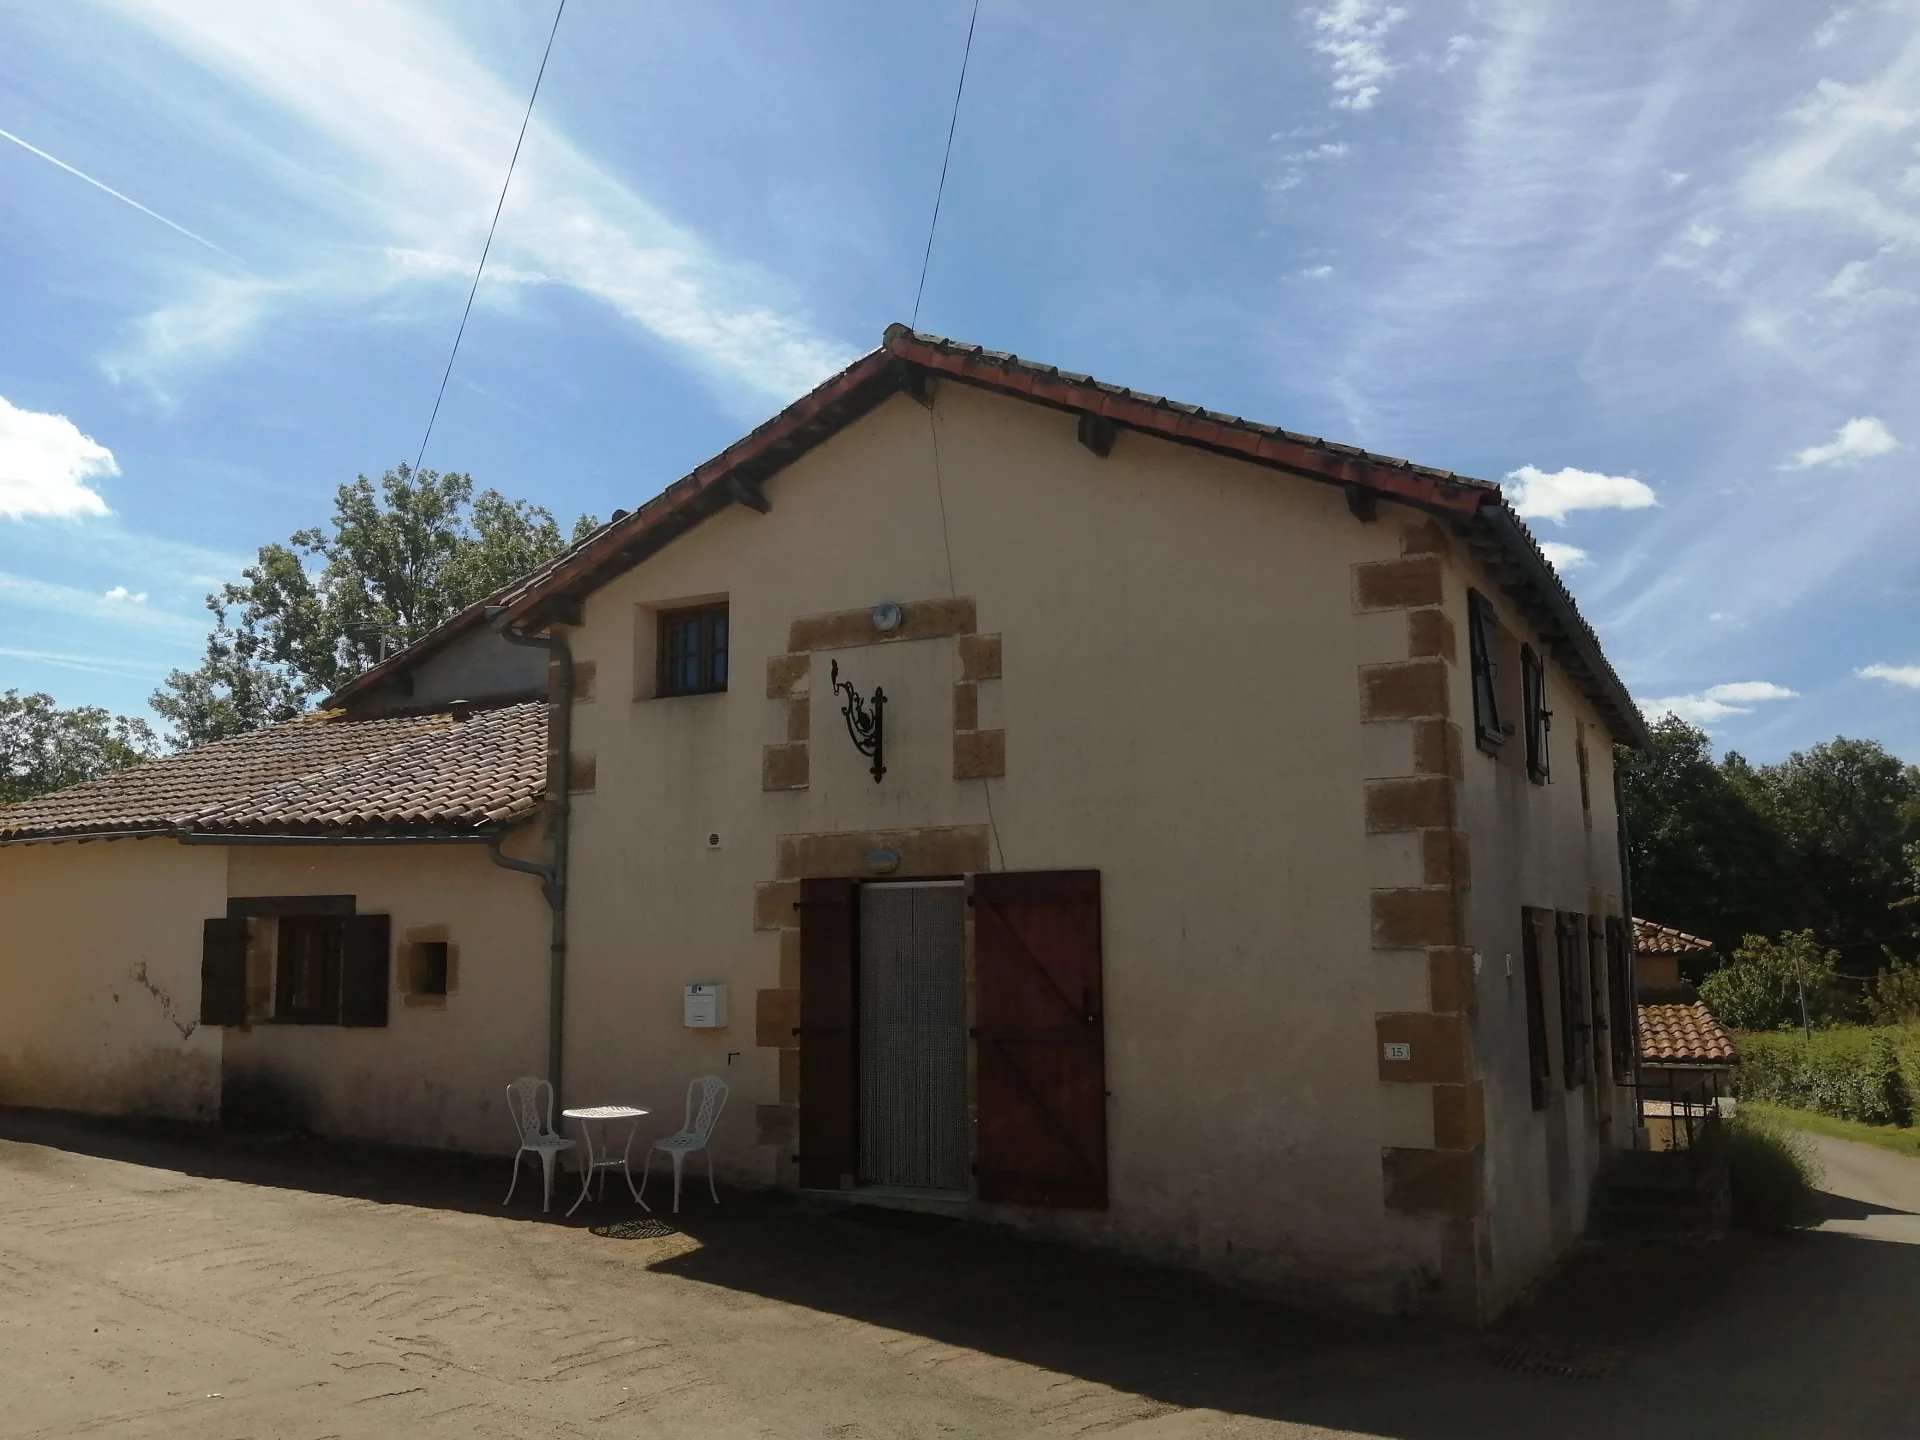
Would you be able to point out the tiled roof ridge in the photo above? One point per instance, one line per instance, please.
(1652, 938)
(736, 473)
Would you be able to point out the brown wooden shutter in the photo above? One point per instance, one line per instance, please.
(1573, 1000)
(365, 970)
(223, 972)
(1626, 1009)
(1040, 1057)
(1539, 1059)
(829, 1089)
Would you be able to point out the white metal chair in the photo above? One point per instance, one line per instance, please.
(537, 1135)
(706, 1098)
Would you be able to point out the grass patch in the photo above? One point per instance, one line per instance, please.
(1900, 1139)
(1771, 1173)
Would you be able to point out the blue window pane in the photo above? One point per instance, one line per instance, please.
(719, 669)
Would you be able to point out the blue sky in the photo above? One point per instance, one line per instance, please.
(1657, 265)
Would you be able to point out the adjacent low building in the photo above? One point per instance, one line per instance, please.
(1075, 808)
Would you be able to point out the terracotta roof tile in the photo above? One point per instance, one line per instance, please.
(1683, 1034)
(320, 774)
(1652, 939)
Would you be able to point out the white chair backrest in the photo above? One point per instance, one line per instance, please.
(532, 1118)
(706, 1098)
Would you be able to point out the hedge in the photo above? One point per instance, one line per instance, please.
(1852, 1072)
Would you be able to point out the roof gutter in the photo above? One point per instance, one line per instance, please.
(52, 837)
(205, 837)
(553, 875)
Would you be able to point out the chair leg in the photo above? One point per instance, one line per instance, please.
(546, 1165)
(645, 1170)
(710, 1190)
(516, 1177)
(679, 1157)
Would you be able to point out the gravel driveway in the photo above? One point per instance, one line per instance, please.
(199, 1286)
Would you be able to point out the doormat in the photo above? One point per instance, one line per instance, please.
(1557, 1362)
(883, 1217)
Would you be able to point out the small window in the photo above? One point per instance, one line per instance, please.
(307, 969)
(1539, 719)
(429, 966)
(1483, 646)
(693, 651)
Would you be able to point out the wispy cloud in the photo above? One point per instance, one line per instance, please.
(1718, 702)
(362, 80)
(1832, 27)
(119, 667)
(1903, 675)
(1351, 36)
(47, 465)
(1562, 556)
(70, 602)
(123, 199)
(1538, 494)
(1861, 438)
(1314, 272)
(126, 596)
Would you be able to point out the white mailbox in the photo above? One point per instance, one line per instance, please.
(704, 1007)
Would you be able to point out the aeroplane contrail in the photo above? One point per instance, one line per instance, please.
(123, 199)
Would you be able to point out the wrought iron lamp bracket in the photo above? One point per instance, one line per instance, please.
(867, 725)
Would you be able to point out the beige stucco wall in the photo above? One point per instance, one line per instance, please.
(1534, 845)
(100, 977)
(1180, 705)
(437, 1072)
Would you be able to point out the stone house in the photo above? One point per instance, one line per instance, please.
(1094, 813)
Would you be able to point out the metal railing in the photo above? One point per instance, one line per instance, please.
(1685, 1114)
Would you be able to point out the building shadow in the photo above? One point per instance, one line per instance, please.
(1807, 1334)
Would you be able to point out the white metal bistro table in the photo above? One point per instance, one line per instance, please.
(604, 1161)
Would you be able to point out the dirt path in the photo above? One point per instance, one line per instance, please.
(164, 1289)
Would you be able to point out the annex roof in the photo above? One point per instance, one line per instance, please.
(906, 359)
(1683, 1035)
(447, 774)
(1652, 939)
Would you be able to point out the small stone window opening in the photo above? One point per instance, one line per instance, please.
(428, 960)
(693, 650)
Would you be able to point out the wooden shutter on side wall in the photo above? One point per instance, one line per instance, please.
(1626, 1010)
(365, 971)
(223, 972)
(1574, 1026)
(1040, 1056)
(1539, 1060)
(829, 1088)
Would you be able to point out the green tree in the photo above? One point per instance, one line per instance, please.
(1848, 811)
(396, 560)
(1767, 983)
(1705, 857)
(44, 747)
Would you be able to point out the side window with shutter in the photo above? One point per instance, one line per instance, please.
(1040, 1048)
(1483, 649)
(1539, 1061)
(1539, 719)
(223, 972)
(829, 1040)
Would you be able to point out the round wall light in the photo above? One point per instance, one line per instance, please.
(886, 617)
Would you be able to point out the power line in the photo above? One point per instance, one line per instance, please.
(498, 205)
(953, 123)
